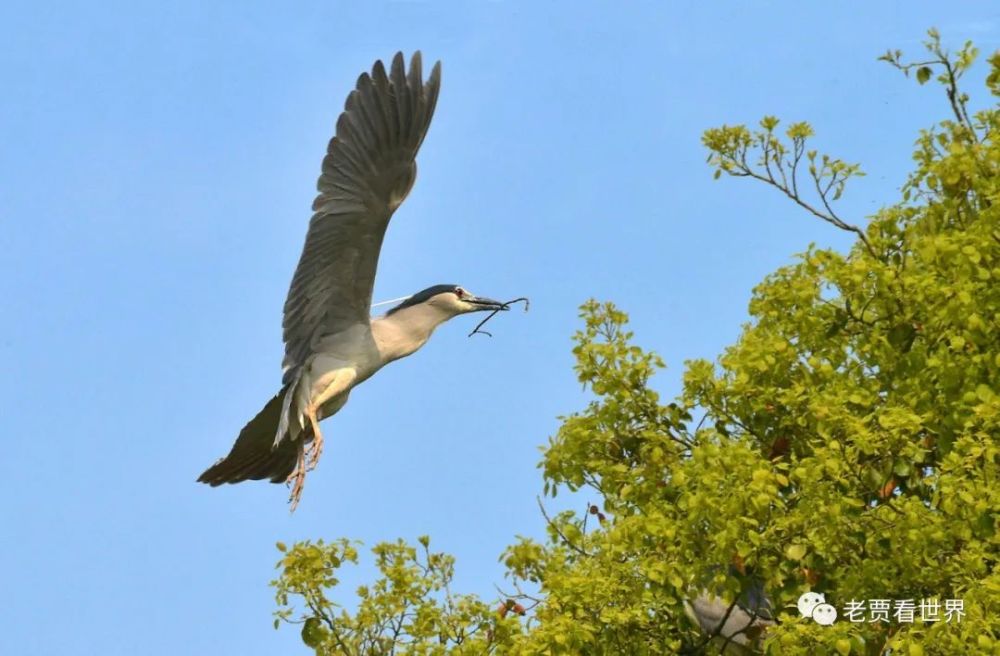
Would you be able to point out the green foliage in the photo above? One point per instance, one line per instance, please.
(409, 607)
(848, 443)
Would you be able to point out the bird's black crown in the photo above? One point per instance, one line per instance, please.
(422, 296)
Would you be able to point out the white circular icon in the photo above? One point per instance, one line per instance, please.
(808, 602)
(824, 614)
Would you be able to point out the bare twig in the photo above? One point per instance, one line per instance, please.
(729, 638)
(829, 216)
(504, 306)
(715, 632)
(569, 543)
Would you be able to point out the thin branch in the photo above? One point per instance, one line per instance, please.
(829, 216)
(715, 632)
(317, 612)
(954, 97)
(729, 638)
(569, 543)
(701, 422)
(798, 149)
(503, 307)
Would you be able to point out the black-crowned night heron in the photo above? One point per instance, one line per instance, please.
(734, 628)
(331, 342)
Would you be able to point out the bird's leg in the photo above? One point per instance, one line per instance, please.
(330, 386)
(316, 446)
(297, 478)
(308, 457)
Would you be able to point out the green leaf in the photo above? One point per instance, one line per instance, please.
(923, 74)
(795, 551)
(313, 633)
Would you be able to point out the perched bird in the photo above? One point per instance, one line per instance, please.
(331, 342)
(734, 627)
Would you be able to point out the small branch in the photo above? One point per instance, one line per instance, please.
(317, 612)
(831, 216)
(715, 632)
(729, 638)
(569, 543)
(503, 306)
(701, 422)
(798, 149)
(520, 594)
(792, 193)
(954, 97)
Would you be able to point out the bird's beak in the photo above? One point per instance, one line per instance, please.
(484, 304)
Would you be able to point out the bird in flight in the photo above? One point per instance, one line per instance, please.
(332, 344)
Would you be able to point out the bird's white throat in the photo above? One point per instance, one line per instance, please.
(403, 332)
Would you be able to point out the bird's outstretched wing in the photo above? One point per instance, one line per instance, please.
(367, 172)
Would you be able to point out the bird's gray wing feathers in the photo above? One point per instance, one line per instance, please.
(367, 172)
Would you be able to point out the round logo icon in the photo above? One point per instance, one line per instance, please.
(808, 602)
(824, 614)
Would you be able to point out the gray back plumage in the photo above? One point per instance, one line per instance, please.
(368, 170)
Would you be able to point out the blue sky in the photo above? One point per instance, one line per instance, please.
(158, 164)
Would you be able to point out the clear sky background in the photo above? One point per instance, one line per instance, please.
(157, 164)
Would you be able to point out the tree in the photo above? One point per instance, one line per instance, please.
(848, 443)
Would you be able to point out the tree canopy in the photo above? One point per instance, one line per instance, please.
(848, 443)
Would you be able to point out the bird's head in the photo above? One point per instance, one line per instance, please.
(452, 300)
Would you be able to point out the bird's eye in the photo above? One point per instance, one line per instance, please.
(459, 292)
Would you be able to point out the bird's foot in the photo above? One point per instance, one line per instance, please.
(297, 479)
(315, 448)
(313, 452)
(308, 459)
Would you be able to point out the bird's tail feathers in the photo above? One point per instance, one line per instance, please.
(257, 454)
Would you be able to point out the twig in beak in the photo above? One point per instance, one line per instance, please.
(492, 314)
